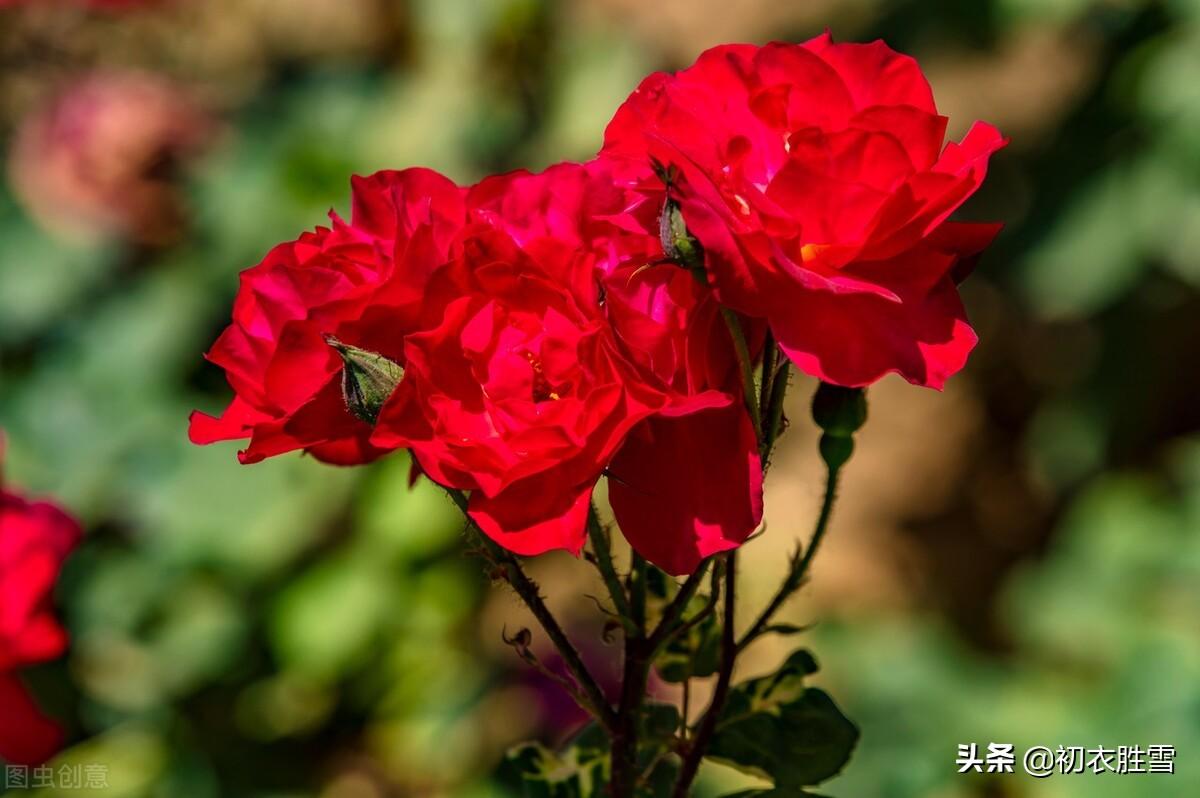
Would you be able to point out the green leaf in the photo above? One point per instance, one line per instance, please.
(661, 780)
(581, 768)
(777, 728)
(538, 772)
(660, 723)
(696, 652)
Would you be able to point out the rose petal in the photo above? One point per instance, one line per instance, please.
(687, 487)
(534, 516)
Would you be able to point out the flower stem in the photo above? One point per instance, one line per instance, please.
(707, 610)
(770, 361)
(637, 593)
(669, 624)
(634, 676)
(729, 652)
(747, 367)
(597, 705)
(801, 562)
(625, 736)
(604, 563)
(773, 395)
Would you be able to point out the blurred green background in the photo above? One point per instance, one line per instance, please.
(1015, 560)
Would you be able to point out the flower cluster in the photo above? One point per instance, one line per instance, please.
(35, 539)
(525, 336)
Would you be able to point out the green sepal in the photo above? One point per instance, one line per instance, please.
(678, 244)
(839, 411)
(368, 379)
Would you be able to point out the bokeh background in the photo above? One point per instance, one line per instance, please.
(1015, 560)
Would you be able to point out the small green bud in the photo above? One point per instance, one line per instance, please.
(839, 411)
(368, 379)
(836, 450)
(677, 242)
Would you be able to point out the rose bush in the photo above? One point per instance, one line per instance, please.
(35, 539)
(532, 334)
(815, 178)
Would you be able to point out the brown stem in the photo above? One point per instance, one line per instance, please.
(635, 583)
(671, 615)
(625, 769)
(705, 611)
(773, 396)
(743, 355)
(729, 652)
(604, 563)
(770, 358)
(800, 564)
(597, 705)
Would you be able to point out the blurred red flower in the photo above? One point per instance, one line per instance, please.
(35, 539)
(815, 179)
(363, 282)
(99, 158)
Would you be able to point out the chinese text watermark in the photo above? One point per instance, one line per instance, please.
(63, 777)
(1041, 761)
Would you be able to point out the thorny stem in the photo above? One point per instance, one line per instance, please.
(729, 652)
(800, 563)
(636, 583)
(604, 563)
(773, 395)
(668, 625)
(685, 710)
(640, 650)
(743, 356)
(635, 673)
(625, 737)
(707, 610)
(596, 704)
(770, 360)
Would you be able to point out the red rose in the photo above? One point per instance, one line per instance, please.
(361, 282)
(559, 354)
(35, 538)
(687, 483)
(815, 179)
(521, 394)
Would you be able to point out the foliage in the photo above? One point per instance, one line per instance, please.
(777, 727)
